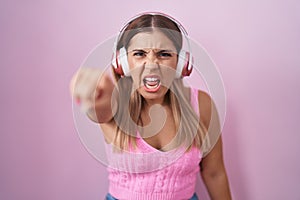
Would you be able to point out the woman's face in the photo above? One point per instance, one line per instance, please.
(152, 59)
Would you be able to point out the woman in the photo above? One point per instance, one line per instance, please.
(159, 133)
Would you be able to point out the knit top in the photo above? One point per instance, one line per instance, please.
(151, 174)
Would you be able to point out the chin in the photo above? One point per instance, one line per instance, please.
(153, 95)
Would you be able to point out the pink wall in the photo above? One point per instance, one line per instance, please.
(255, 45)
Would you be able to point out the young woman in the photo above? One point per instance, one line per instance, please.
(159, 132)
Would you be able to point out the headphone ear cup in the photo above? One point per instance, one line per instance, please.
(123, 61)
(188, 67)
(120, 62)
(116, 64)
(184, 66)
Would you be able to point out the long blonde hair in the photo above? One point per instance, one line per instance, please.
(190, 130)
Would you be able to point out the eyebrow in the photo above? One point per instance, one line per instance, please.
(162, 50)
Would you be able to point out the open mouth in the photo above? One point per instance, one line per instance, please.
(151, 83)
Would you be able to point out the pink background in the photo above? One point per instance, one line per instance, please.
(255, 45)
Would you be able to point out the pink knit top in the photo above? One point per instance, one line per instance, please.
(150, 174)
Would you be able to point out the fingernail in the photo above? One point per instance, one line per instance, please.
(77, 100)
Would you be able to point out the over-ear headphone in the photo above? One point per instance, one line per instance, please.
(185, 59)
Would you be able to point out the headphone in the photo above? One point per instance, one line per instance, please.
(185, 59)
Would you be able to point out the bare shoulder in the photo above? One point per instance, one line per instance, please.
(205, 101)
(210, 118)
(205, 107)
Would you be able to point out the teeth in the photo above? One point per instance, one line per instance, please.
(151, 79)
(151, 82)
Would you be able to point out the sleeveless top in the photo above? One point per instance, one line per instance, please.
(150, 174)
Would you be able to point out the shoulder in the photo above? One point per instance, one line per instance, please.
(206, 107)
(210, 118)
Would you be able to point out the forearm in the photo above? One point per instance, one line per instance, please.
(217, 186)
(102, 112)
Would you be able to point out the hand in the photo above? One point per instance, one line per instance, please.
(92, 89)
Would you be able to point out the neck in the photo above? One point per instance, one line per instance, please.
(148, 103)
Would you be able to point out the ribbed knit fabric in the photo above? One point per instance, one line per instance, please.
(150, 174)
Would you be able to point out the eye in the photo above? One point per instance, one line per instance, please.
(139, 53)
(164, 54)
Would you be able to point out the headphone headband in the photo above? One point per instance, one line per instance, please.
(182, 54)
(152, 13)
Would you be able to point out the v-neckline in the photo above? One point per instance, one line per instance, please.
(146, 144)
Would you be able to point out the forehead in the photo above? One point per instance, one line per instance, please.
(154, 40)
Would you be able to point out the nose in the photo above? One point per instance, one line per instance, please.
(151, 58)
(151, 62)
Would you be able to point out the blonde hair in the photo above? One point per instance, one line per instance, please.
(186, 119)
(190, 130)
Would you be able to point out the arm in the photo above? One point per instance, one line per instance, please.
(214, 174)
(212, 165)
